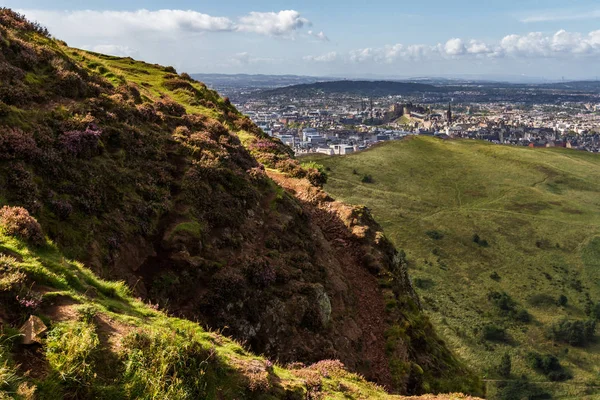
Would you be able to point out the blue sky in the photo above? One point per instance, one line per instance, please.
(352, 38)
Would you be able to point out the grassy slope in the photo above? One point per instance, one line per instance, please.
(538, 209)
(126, 349)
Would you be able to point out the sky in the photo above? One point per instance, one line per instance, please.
(509, 39)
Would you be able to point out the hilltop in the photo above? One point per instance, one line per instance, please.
(359, 88)
(164, 194)
(503, 246)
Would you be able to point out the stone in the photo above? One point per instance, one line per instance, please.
(33, 330)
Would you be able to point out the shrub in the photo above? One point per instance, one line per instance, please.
(494, 333)
(505, 367)
(481, 242)
(594, 311)
(367, 179)
(502, 300)
(170, 107)
(435, 235)
(548, 365)
(494, 276)
(292, 168)
(315, 173)
(522, 316)
(575, 333)
(425, 284)
(16, 221)
(14, 143)
(562, 300)
(61, 208)
(70, 84)
(82, 144)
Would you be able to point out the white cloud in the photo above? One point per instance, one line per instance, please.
(455, 47)
(89, 23)
(245, 59)
(118, 23)
(328, 57)
(271, 23)
(113, 50)
(320, 36)
(478, 47)
(562, 44)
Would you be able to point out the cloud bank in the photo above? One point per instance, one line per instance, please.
(91, 23)
(562, 44)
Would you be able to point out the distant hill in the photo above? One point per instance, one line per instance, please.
(360, 88)
(256, 80)
(583, 86)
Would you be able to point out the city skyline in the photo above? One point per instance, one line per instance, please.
(503, 39)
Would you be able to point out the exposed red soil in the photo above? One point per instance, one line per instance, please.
(333, 218)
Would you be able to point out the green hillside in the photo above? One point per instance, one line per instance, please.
(174, 201)
(495, 236)
(105, 344)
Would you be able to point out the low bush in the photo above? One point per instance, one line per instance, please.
(505, 367)
(508, 307)
(435, 235)
(494, 333)
(562, 300)
(594, 311)
(576, 333)
(16, 221)
(16, 144)
(502, 300)
(477, 239)
(548, 365)
(83, 144)
(367, 179)
(423, 283)
(316, 173)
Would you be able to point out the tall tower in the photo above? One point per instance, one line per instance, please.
(449, 114)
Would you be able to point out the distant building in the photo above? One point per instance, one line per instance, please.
(342, 149)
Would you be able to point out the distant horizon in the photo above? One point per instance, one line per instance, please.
(523, 79)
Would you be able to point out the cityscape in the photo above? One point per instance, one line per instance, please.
(338, 123)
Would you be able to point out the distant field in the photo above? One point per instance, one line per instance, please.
(538, 211)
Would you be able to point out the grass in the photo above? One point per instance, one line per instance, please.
(104, 344)
(150, 79)
(537, 210)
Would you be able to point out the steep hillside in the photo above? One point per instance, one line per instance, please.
(503, 248)
(147, 176)
(104, 344)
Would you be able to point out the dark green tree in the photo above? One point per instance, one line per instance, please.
(505, 367)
